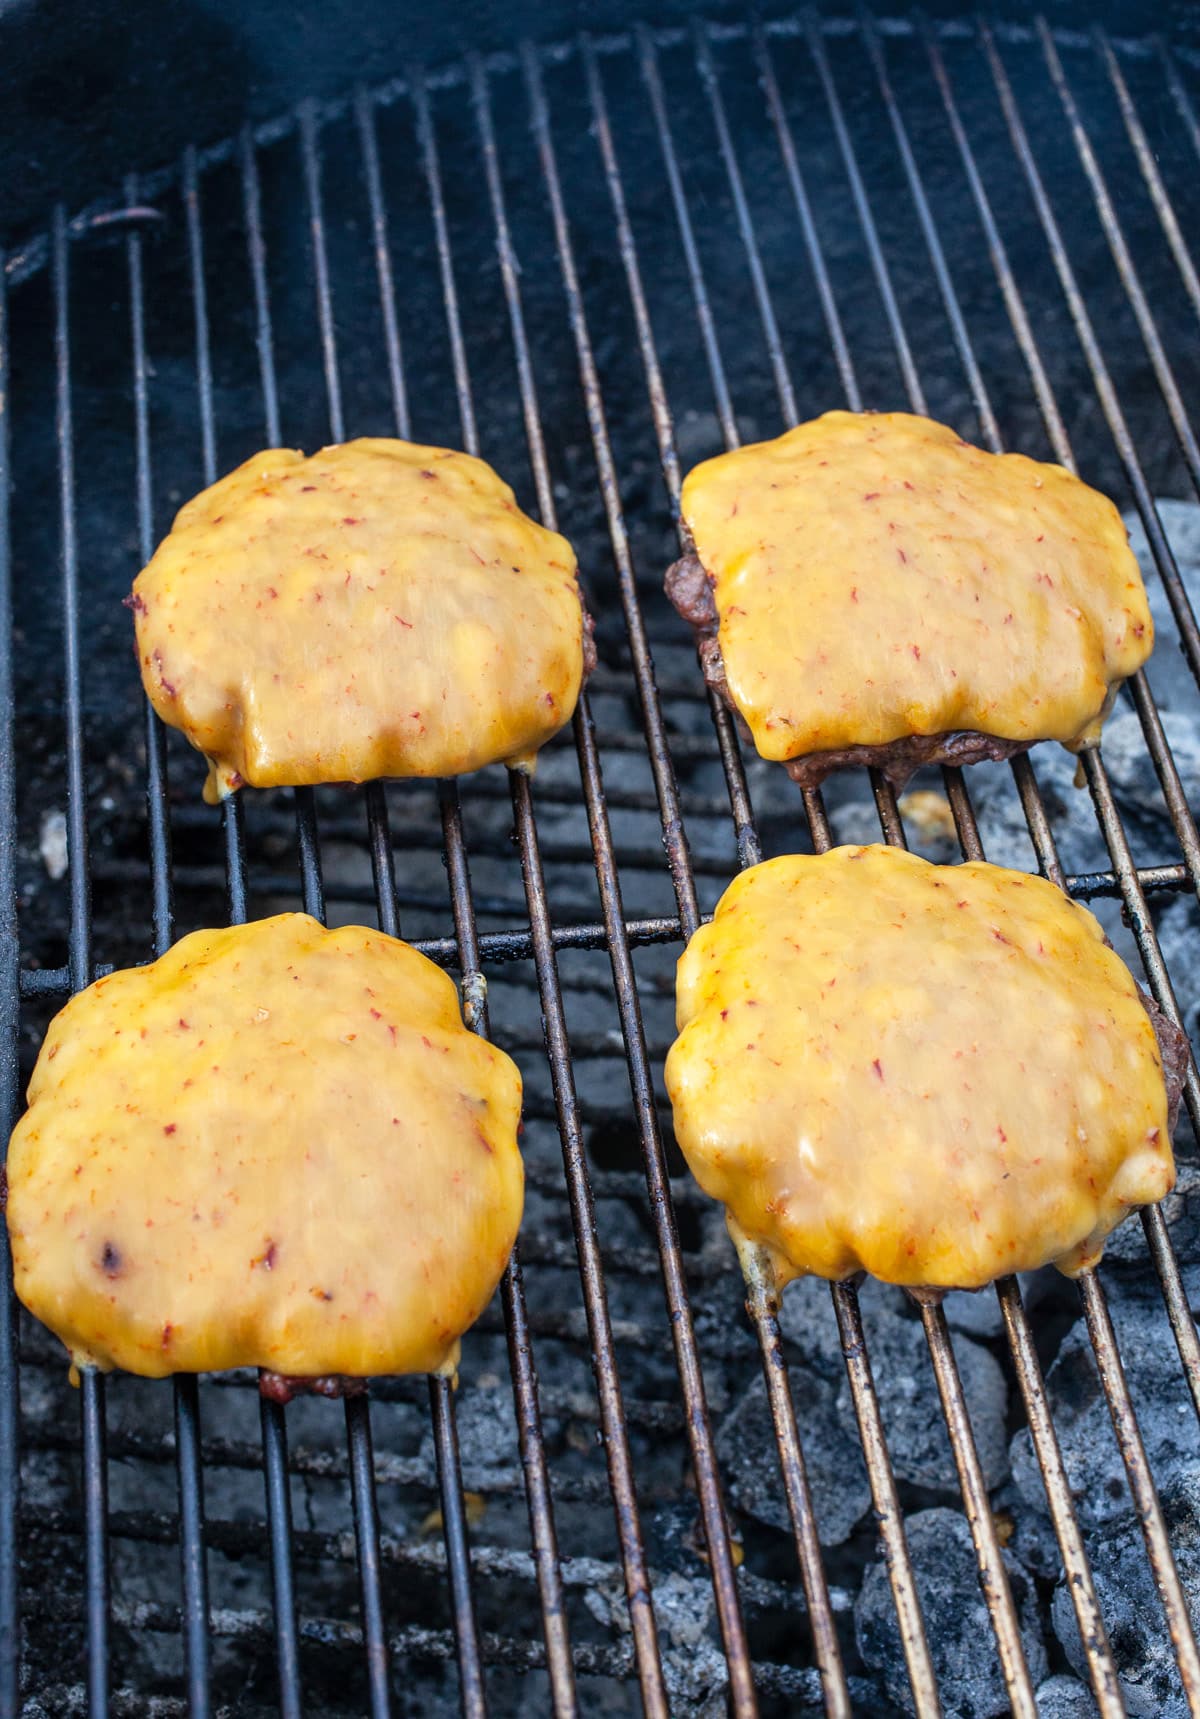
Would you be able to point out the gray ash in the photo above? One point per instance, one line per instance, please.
(956, 1620)
(1129, 1601)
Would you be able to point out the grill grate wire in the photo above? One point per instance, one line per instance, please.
(992, 1577)
(469, 948)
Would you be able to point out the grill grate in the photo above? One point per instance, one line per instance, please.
(271, 246)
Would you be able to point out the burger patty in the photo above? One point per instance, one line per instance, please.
(935, 1074)
(1173, 1048)
(690, 590)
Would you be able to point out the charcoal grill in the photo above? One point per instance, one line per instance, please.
(591, 262)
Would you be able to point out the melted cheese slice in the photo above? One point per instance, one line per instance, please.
(876, 577)
(936, 1074)
(277, 1146)
(378, 609)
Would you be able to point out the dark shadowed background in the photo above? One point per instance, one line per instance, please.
(92, 88)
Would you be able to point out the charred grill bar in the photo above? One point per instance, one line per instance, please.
(550, 263)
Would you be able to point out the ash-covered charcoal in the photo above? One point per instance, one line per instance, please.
(749, 1453)
(1004, 831)
(976, 1313)
(916, 1432)
(694, 1667)
(1094, 1468)
(1129, 1601)
(807, 1319)
(956, 1621)
(1027, 1534)
(486, 1423)
(912, 1415)
(1131, 769)
(1065, 1697)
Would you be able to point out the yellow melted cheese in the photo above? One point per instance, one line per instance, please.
(936, 1074)
(277, 1146)
(378, 609)
(876, 577)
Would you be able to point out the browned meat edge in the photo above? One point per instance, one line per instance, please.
(282, 1387)
(1173, 1049)
(689, 588)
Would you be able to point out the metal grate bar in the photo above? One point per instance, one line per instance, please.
(933, 243)
(993, 1578)
(704, 316)
(1102, 1669)
(186, 1392)
(1179, 94)
(366, 1541)
(191, 1543)
(608, 1385)
(749, 849)
(364, 116)
(272, 1416)
(762, 293)
(515, 945)
(1013, 301)
(882, 1479)
(799, 1500)
(666, 787)
(1130, 279)
(813, 26)
(157, 818)
(273, 1424)
(516, 1318)
(10, 988)
(886, 1499)
(1155, 185)
(95, 1463)
(316, 221)
(812, 247)
(432, 169)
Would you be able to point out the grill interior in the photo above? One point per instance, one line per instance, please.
(594, 264)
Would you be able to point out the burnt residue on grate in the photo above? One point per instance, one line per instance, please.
(597, 264)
